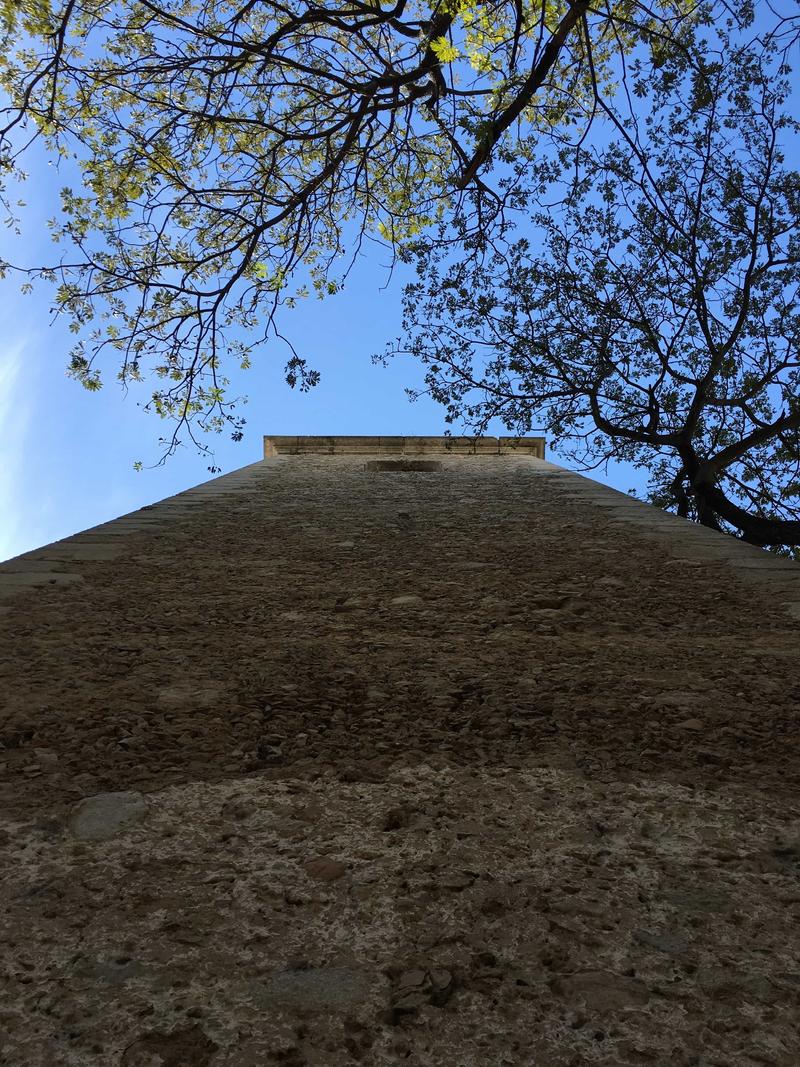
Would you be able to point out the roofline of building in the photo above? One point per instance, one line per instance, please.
(403, 446)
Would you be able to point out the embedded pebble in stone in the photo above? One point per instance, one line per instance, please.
(416, 988)
(182, 696)
(410, 979)
(312, 987)
(190, 1047)
(722, 984)
(102, 816)
(406, 601)
(454, 880)
(672, 944)
(787, 846)
(494, 603)
(130, 742)
(352, 603)
(603, 991)
(409, 1000)
(324, 869)
(397, 818)
(115, 972)
(548, 603)
(678, 698)
(690, 724)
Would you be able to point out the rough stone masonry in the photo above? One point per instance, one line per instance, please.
(399, 751)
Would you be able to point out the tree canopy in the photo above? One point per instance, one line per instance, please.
(233, 155)
(655, 316)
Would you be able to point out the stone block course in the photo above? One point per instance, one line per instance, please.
(274, 446)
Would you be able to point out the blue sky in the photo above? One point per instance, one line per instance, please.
(66, 455)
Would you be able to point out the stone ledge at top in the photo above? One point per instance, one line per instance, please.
(333, 446)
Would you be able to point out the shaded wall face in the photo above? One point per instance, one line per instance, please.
(312, 614)
(476, 765)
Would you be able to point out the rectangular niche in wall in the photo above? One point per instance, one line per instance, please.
(403, 465)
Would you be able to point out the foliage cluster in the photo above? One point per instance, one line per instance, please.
(657, 317)
(234, 155)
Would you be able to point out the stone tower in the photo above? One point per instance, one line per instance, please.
(399, 750)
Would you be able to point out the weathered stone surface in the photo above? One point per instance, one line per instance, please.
(99, 817)
(538, 855)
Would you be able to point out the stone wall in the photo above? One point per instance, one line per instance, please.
(481, 764)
